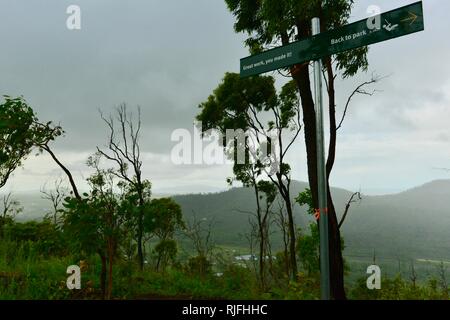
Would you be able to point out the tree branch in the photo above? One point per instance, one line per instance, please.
(358, 197)
(359, 90)
(66, 171)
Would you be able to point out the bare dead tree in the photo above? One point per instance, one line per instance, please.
(361, 89)
(281, 220)
(269, 252)
(413, 276)
(399, 261)
(124, 151)
(356, 197)
(282, 179)
(199, 231)
(265, 198)
(10, 209)
(56, 197)
(442, 270)
(265, 194)
(252, 239)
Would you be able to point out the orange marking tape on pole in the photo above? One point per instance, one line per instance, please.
(317, 212)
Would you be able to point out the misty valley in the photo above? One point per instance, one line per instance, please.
(224, 159)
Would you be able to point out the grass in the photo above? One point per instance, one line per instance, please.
(26, 274)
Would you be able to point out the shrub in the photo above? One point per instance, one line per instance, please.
(199, 265)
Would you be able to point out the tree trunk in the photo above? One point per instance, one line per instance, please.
(292, 239)
(110, 269)
(261, 259)
(287, 265)
(261, 235)
(140, 230)
(285, 243)
(103, 275)
(285, 194)
(158, 262)
(336, 259)
(139, 242)
(301, 76)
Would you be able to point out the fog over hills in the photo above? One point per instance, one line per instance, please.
(411, 224)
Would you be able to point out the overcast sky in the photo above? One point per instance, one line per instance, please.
(167, 57)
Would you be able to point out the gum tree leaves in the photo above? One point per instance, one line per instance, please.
(20, 132)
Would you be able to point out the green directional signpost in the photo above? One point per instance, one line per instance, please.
(389, 25)
(393, 24)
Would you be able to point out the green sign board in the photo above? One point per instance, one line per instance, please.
(389, 25)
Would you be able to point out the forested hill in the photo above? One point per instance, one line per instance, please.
(411, 224)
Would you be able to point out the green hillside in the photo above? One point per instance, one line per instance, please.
(411, 224)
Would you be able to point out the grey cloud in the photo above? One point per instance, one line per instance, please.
(161, 55)
(167, 56)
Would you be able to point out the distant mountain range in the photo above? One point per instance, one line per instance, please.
(411, 224)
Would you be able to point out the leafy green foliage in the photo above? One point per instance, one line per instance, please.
(232, 100)
(199, 265)
(268, 189)
(307, 288)
(308, 244)
(238, 279)
(241, 104)
(47, 238)
(20, 132)
(350, 62)
(305, 199)
(398, 288)
(94, 219)
(308, 249)
(166, 250)
(162, 217)
(131, 211)
(83, 223)
(235, 100)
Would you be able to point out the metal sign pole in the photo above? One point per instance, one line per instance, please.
(321, 176)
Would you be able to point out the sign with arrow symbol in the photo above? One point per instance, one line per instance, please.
(412, 18)
(396, 23)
